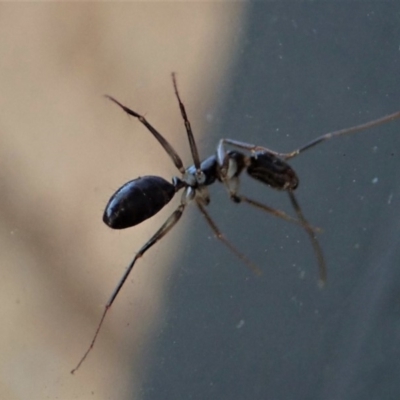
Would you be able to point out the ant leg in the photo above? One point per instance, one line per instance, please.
(232, 185)
(286, 156)
(313, 238)
(275, 212)
(226, 242)
(165, 228)
(164, 143)
(346, 131)
(221, 153)
(192, 142)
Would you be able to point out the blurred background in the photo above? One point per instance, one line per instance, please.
(192, 321)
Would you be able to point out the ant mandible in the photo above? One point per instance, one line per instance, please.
(141, 198)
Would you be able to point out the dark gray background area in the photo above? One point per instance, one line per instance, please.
(302, 69)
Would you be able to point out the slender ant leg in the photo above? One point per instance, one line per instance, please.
(192, 143)
(341, 132)
(165, 228)
(164, 143)
(222, 155)
(233, 185)
(286, 156)
(314, 241)
(226, 242)
(275, 212)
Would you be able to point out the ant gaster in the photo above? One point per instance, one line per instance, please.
(144, 197)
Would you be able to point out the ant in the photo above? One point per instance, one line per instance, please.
(141, 198)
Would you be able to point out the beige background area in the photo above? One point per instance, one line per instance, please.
(64, 149)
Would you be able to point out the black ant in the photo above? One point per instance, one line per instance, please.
(141, 198)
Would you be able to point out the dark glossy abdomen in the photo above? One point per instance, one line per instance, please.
(137, 201)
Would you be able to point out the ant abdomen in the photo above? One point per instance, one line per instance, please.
(137, 201)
